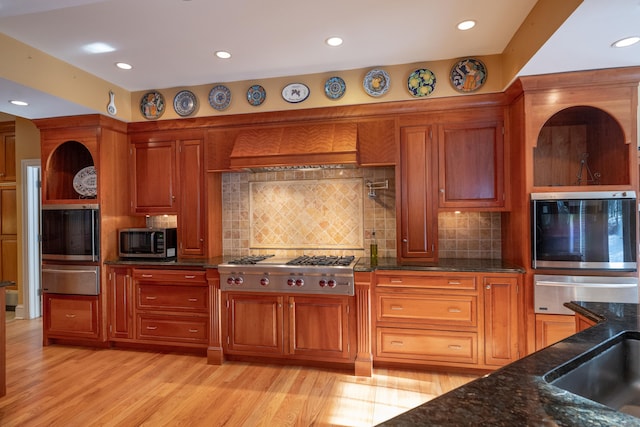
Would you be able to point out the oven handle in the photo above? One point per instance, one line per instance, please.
(587, 285)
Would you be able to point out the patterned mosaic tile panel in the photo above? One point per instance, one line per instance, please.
(324, 213)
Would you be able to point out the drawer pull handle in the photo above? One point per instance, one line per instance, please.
(397, 343)
(193, 299)
(147, 275)
(151, 298)
(455, 347)
(397, 307)
(152, 328)
(396, 280)
(454, 310)
(193, 331)
(190, 277)
(455, 282)
(70, 316)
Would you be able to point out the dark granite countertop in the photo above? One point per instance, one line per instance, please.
(517, 395)
(443, 264)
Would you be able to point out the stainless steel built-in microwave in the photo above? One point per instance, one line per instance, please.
(70, 232)
(153, 243)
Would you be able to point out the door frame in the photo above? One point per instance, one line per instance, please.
(31, 259)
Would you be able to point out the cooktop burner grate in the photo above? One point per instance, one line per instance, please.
(322, 260)
(251, 259)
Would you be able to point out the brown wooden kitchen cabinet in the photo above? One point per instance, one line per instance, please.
(501, 314)
(120, 303)
(461, 320)
(416, 221)
(471, 165)
(8, 233)
(583, 322)
(300, 327)
(551, 328)
(169, 179)
(7, 152)
(70, 318)
(377, 142)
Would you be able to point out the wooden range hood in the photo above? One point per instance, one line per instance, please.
(291, 146)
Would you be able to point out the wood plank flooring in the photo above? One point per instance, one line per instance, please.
(76, 386)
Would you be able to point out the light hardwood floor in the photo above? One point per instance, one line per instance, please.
(75, 386)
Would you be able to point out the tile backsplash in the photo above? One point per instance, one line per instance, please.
(330, 211)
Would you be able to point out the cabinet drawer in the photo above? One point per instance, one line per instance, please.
(171, 276)
(427, 345)
(426, 282)
(433, 309)
(172, 328)
(172, 297)
(72, 316)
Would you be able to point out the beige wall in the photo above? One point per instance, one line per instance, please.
(27, 147)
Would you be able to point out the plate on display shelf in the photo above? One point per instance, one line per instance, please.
(86, 182)
(152, 105)
(335, 87)
(295, 92)
(422, 82)
(256, 95)
(468, 75)
(376, 82)
(220, 97)
(185, 103)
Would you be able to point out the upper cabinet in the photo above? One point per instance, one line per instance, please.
(377, 142)
(154, 186)
(471, 165)
(581, 146)
(7, 152)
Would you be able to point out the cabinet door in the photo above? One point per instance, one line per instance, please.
(154, 180)
(7, 153)
(377, 142)
(254, 324)
(70, 316)
(501, 320)
(551, 328)
(417, 224)
(120, 303)
(319, 327)
(471, 165)
(191, 217)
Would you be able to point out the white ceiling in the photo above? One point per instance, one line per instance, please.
(171, 43)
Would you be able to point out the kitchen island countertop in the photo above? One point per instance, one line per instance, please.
(444, 265)
(517, 395)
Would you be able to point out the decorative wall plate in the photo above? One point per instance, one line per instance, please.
(376, 82)
(220, 97)
(86, 182)
(295, 92)
(422, 82)
(152, 105)
(468, 75)
(185, 103)
(334, 88)
(256, 95)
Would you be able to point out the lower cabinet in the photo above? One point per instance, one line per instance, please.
(163, 307)
(461, 319)
(551, 328)
(280, 325)
(70, 317)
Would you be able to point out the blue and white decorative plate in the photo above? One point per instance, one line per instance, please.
(295, 92)
(334, 88)
(152, 105)
(185, 103)
(376, 82)
(256, 95)
(421, 82)
(468, 75)
(220, 97)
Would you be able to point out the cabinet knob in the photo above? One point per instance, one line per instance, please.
(404, 240)
(487, 287)
(442, 190)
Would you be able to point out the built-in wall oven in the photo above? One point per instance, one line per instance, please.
(70, 246)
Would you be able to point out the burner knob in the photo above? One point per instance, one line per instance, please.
(322, 283)
(332, 283)
(230, 280)
(291, 282)
(264, 281)
(299, 282)
(238, 281)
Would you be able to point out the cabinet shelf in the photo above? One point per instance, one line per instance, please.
(64, 163)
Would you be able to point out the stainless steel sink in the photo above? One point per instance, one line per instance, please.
(608, 374)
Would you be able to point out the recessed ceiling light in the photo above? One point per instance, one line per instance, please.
(98, 47)
(627, 41)
(19, 103)
(223, 54)
(466, 25)
(124, 65)
(334, 41)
